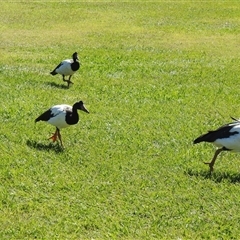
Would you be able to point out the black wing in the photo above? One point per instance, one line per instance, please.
(58, 66)
(45, 116)
(222, 132)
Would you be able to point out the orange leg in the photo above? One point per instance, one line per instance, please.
(54, 136)
(60, 138)
(211, 164)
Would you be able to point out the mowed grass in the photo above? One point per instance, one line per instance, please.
(154, 76)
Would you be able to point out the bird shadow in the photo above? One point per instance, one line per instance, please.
(56, 85)
(44, 147)
(217, 177)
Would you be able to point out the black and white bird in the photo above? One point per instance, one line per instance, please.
(226, 138)
(62, 116)
(67, 68)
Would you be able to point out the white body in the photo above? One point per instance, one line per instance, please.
(65, 68)
(232, 142)
(59, 115)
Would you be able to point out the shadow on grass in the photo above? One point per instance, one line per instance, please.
(215, 176)
(56, 85)
(44, 147)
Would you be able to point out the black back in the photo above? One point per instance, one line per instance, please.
(54, 71)
(45, 116)
(222, 132)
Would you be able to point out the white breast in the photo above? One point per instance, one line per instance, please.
(59, 115)
(65, 68)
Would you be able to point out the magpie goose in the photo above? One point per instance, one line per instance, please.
(226, 138)
(62, 116)
(67, 68)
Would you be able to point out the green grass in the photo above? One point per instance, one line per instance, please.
(154, 76)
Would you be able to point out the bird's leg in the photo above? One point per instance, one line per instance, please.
(65, 80)
(69, 80)
(54, 136)
(211, 164)
(60, 137)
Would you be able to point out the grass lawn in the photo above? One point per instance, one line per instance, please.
(154, 76)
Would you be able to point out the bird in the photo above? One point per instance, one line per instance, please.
(225, 138)
(67, 68)
(62, 116)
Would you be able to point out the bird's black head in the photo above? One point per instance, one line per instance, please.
(80, 105)
(75, 56)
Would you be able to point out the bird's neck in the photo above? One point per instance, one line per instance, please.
(72, 117)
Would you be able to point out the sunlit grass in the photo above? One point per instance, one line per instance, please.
(154, 76)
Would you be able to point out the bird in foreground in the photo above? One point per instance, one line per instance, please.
(226, 138)
(67, 68)
(62, 116)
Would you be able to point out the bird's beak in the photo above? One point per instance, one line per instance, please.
(84, 109)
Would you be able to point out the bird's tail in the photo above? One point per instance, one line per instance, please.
(233, 118)
(53, 73)
(36, 120)
(207, 137)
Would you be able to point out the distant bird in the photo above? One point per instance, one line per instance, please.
(226, 138)
(62, 116)
(67, 68)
